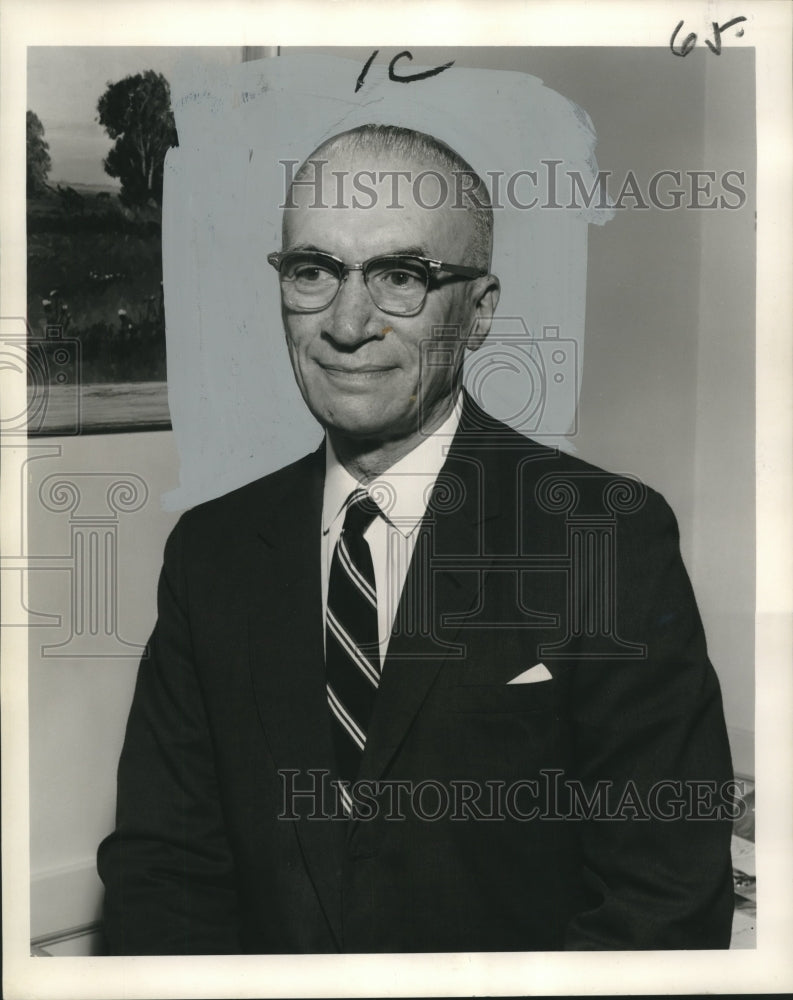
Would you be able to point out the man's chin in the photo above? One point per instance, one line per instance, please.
(373, 425)
(374, 431)
(361, 417)
(373, 422)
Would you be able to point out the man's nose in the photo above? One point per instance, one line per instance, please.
(353, 317)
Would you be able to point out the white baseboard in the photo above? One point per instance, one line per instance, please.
(85, 943)
(66, 899)
(742, 747)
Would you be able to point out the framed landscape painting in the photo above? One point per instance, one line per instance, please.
(99, 124)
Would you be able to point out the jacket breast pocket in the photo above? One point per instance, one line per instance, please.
(505, 698)
(505, 731)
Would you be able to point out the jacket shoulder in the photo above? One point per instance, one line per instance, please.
(254, 499)
(557, 480)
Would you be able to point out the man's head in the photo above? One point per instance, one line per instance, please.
(377, 354)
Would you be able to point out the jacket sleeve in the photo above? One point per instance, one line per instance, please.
(167, 868)
(650, 734)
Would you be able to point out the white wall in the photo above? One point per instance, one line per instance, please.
(724, 521)
(78, 704)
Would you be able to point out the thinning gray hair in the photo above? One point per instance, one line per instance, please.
(420, 147)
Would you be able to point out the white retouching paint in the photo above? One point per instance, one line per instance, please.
(235, 408)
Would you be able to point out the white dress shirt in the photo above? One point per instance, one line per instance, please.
(402, 493)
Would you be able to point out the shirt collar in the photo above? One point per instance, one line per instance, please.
(403, 491)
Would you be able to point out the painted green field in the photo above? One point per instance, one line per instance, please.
(95, 269)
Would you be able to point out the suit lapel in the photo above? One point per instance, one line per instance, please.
(452, 537)
(287, 664)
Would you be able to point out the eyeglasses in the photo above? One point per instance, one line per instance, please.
(397, 283)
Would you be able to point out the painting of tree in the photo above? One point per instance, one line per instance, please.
(136, 112)
(38, 154)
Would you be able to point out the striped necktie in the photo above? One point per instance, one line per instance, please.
(352, 658)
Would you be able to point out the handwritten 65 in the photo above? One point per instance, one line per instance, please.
(690, 41)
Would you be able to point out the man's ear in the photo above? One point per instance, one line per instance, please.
(486, 292)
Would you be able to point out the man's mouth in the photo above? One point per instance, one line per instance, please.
(356, 372)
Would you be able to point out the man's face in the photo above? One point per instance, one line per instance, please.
(359, 368)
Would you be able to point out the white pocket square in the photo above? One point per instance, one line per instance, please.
(539, 672)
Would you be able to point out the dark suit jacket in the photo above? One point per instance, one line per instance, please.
(525, 556)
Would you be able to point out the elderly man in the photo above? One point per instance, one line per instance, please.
(435, 687)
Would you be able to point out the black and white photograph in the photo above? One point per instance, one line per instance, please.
(394, 597)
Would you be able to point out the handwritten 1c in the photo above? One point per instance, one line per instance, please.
(392, 75)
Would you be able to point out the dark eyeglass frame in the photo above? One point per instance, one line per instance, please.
(432, 267)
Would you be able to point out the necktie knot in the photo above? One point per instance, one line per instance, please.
(361, 511)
